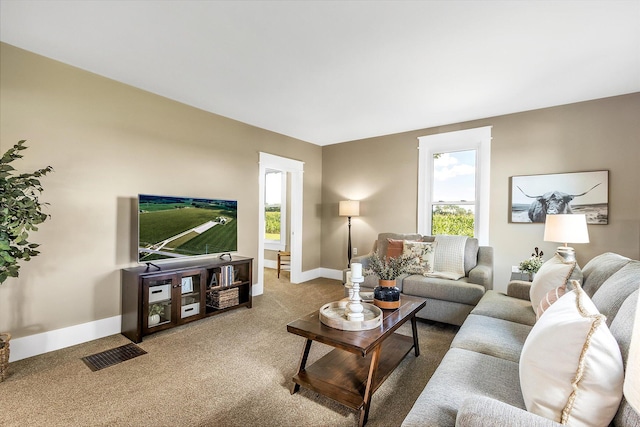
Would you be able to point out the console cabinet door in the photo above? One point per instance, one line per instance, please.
(190, 295)
(158, 307)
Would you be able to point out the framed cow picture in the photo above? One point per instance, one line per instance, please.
(535, 196)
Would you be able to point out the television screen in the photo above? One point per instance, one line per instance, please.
(179, 227)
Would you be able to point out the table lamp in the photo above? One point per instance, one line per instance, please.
(566, 228)
(349, 208)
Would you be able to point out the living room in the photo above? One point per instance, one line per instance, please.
(108, 142)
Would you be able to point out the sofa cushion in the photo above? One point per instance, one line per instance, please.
(492, 336)
(571, 369)
(599, 269)
(622, 330)
(463, 373)
(615, 290)
(501, 306)
(443, 289)
(554, 273)
(423, 254)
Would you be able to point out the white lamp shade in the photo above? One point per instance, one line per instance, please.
(632, 375)
(349, 208)
(566, 228)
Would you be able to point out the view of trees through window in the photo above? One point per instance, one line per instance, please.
(273, 205)
(454, 193)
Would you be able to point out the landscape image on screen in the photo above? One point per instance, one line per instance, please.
(178, 227)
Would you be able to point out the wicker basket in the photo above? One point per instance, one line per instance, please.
(223, 298)
(4, 355)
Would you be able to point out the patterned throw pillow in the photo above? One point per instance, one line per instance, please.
(423, 252)
(552, 296)
(571, 367)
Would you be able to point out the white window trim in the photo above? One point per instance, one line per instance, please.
(471, 139)
(280, 245)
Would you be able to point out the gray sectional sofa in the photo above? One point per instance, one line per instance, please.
(448, 301)
(478, 383)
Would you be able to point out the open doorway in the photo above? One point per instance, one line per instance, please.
(290, 174)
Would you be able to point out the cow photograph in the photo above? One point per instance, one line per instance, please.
(533, 197)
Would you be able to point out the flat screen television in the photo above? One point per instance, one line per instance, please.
(182, 227)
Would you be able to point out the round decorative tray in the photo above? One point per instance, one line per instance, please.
(332, 315)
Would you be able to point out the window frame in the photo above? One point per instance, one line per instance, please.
(478, 139)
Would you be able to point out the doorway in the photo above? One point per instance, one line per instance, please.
(294, 169)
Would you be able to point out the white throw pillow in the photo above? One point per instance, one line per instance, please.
(571, 368)
(423, 252)
(554, 273)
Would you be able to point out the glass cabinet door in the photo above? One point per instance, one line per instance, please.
(190, 294)
(160, 301)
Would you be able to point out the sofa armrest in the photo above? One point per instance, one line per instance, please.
(482, 273)
(519, 289)
(483, 411)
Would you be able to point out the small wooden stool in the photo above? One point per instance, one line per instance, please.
(283, 262)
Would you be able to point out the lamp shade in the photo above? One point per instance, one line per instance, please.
(632, 375)
(566, 228)
(349, 208)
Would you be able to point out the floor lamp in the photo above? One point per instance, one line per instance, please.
(349, 208)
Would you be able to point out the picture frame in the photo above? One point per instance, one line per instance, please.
(533, 196)
(187, 284)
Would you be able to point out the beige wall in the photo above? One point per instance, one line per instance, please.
(108, 142)
(383, 173)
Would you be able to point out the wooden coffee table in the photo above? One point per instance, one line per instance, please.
(361, 360)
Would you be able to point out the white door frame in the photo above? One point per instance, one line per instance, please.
(296, 169)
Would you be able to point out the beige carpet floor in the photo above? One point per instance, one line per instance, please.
(234, 369)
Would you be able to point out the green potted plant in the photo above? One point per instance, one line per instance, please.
(21, 212)
(532, 265)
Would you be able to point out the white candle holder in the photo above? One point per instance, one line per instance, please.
(354, 311)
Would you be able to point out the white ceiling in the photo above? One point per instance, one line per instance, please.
(333, 71)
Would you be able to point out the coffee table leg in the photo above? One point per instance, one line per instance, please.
(303, 363)
(414, 328)
(368, 392)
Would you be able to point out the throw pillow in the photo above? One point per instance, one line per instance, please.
(395, 247)
(554, 273)
(571, 369)
(552, 296)
(449, 260)
(423, 253)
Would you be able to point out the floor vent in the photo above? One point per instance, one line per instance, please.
(107, 358)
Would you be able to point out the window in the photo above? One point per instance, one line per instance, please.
(453, 188)
(275, 206)
(453, 193)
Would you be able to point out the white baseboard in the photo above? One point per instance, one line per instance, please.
(330, 273)
(257, 289)
(33, 345)
(321, 272)
(271, 263)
